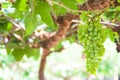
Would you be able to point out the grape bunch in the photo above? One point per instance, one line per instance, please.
(92, 36)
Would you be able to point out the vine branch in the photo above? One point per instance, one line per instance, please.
(51, 40)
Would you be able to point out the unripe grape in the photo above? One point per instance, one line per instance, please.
(92, 36)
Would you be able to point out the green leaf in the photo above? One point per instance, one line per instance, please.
(9, 26)
(118, 1)
(58, 46)
(110, 34)
(117, 8)
(16, 4)
(81, 1)
(70, 4)
(17, 14)
(23, 5)
(35, 53)
(30, 23)
(83, 16)
(43, 9)
(72, 38)
(32, 4)
(59, 10)
(18, 53)
(5, 26)
(5, 5)
(20, 5)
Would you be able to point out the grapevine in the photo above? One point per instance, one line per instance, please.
(92, 36)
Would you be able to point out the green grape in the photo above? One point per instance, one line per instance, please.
(92, 36)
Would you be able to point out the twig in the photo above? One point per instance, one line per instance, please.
(12, 21)
(111, 24)
(104, 23)
(65, 7)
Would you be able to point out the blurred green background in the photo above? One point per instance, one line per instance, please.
(69, 64)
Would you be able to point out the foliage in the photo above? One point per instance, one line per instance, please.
(65, 59)
(20, 19)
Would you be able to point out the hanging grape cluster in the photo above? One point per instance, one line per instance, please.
(92, 36)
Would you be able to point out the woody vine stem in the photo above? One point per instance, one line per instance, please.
(64, 22)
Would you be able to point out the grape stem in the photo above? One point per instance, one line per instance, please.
(102, 22)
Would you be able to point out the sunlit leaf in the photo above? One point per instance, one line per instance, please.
(30, 23)
(70, 4)
(58, 10)
(43, 9)
(110, 34)
(20, 5)
(118, 1)
(23, 5)
(5, 27)
(18, 53)
(81, 1)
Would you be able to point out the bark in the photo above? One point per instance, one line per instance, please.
(42, 64)
(50, 40)
(98, 4)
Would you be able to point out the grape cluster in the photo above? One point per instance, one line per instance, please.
(92, 36)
